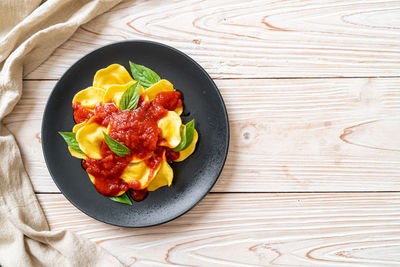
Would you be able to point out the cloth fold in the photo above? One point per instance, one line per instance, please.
(29, 32)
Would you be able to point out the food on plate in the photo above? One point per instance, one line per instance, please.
(128, 130)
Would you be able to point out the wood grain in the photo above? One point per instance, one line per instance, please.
(287, 135)
(252, 39)
(254, 230)
(298, 133)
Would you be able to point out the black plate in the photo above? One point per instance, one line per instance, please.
(193, 178)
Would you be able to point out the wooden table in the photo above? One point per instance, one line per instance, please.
(313, 95)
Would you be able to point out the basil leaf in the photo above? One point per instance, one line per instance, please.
(186, 137)
(70, 139)
(122, 199)
(130, 98)
(116, 146)
(145, 76)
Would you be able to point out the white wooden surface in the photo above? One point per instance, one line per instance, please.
(313, 94)
(252, 39)
(254, 230)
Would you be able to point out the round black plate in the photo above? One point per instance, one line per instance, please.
(193, 178)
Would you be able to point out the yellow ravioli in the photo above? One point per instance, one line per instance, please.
(90, 138)
(135, 159)
(189, 150)
(113, 74)
(163, 177)
(161, 86)
(78, 126)
(138, 172)
(92, 178)
(170, 129)
(115, 92)
(179, 110)
(73, 152)
(76, 154)
(89, 97)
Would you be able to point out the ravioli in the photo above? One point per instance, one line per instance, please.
(78, 126)
(76, 154)
(89, 97)
(73, 152)
(139, 172)
(90, 138)
(161, 86)
(164, 177)
(170, 127)
(115, 92)
(134, 127)
(179, 110)
(92, 178)
(112, 75)
(190, 149)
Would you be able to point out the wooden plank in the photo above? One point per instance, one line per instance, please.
(245, 39)
(254, 230)
(287, 135)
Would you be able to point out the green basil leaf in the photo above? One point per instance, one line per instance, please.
(186, 136)
(145, 76)
(130, 98)
(122, 199)
(70, 139)
(116, 146)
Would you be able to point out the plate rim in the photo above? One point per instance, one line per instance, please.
(225, 114)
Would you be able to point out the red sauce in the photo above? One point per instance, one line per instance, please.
(171, 155)
(139, 195)
(107, 171)
(138, 129)
(104, 113)
(135, 129)
(169, 100)
(155, 160)
(81, 114)
(135, 185)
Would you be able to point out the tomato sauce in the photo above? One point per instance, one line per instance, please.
(139, 195)
(103, 113)
(107, 171)
(81, 114)
(155, 160)
(168, 100)
(171, 155)
(137, 129)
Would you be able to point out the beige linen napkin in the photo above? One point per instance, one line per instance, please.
(29, 33)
